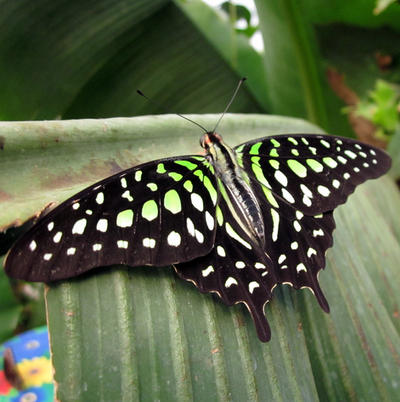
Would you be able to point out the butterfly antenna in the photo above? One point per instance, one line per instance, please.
(242, 80)
(180, 115)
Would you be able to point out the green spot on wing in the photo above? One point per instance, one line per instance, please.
(330, 162)
(218, 214)
(274, 163)
(315, 165)
(172, 201)
(125, 218)
(211, 189)
(138, 175)
(259, 174)
(240, 148)
(273, 152)
(199, 174)
(175, 176)
(234, 235)
(275, 143)
(152, 186)
(150, 210)
(254, 150)
(161, 168)
(188, 185)
(187, 164)
(297, 168)
(271, 199)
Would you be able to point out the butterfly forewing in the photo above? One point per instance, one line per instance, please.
(312, 173)
(142, 216)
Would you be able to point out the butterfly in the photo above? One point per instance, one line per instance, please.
(234, 221)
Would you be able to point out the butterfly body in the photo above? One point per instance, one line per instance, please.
(236, 221)
(239, 196)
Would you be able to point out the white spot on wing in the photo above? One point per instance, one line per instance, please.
(253, 285)
(174, 239)
(57, 237)
(199, 236)
(32, 245)
(281, 258)
(71, 251)
(97, 247)
(221, 251)
(281, 178)
(148, 242)
(207, 271)
(324, 191)
(102, 225)
(79, 226)
(275, 224)
(197, 201)
(100, 198)
(301, 267)
(127, 194)
(311, 251)
(350, 154)
(318, 232)
(297, 226)
(240, 264)
(190, 227)
(122, 244)
(287, 196)
(230, 281)
(210, 221)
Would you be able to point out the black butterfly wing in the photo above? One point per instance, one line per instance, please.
(142, 216)
(312, 173)
(299, 180)
(236, 269)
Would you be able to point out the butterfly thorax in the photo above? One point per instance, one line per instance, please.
(234, 186)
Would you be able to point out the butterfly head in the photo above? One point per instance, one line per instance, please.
(209, 140)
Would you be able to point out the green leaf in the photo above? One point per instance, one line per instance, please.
(296, 86)
(128, 333)
(394, 152)
(382, 5)
(355, 12)
(235, 49)
(91, 66)
(382, 107)
(10, 310)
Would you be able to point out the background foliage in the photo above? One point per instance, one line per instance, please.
(112, 338)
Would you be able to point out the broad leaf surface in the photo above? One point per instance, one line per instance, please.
(130, 326)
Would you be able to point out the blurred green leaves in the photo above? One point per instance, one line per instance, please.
(382, 108)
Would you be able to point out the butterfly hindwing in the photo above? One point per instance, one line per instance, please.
(142, 216)
(237, 269)
(295, 242)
